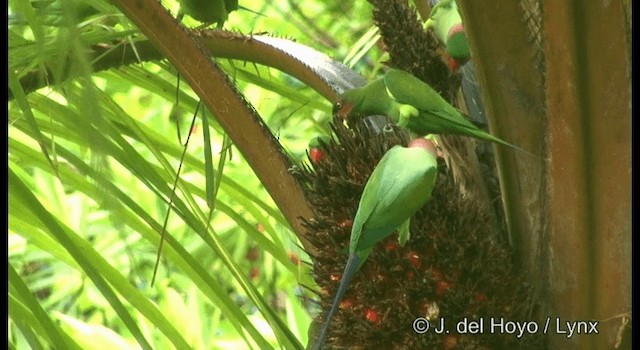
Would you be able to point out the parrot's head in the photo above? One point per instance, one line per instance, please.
(457, 47)
(346, 103)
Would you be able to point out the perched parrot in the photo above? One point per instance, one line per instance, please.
(208, 11)
(447, 24)
(410, 103)
(400, 184)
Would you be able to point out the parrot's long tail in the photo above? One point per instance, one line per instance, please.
(352, 266)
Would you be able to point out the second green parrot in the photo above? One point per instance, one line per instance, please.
(447, 25)
(400, 184)
(410, 103)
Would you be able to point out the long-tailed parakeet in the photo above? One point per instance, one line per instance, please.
(410, 103)
(400, 184)
(445, 21)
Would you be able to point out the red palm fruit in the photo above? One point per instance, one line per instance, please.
(442, 287)
(414, 259)
(390, 245)
(347, 224)
(480, 297)
(372, 316)
(346, 304)
(316, 155)
(335, 277)
(449, 341)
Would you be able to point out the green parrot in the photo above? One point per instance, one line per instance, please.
(400, 184)
(410, 103)
(208, 11)
(447, 25)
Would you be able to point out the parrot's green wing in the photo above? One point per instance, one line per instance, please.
(368, 200)
(400, 184)
(407, 89)
(437, 116)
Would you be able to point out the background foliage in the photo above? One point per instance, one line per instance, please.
(85, 217)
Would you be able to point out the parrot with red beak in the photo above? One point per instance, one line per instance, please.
(445, 21)
(410, 103)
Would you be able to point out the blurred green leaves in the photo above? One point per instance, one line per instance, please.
(92, 159)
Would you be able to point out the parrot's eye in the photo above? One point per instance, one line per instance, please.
(342, 109)
(337, 107)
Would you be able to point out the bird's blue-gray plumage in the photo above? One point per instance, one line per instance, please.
(400, 184)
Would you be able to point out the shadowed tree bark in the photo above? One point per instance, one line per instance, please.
(555, 77)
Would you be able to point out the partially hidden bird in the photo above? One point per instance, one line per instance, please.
(400, 184)
(412, 104)
(208, 11)
(446, 22)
